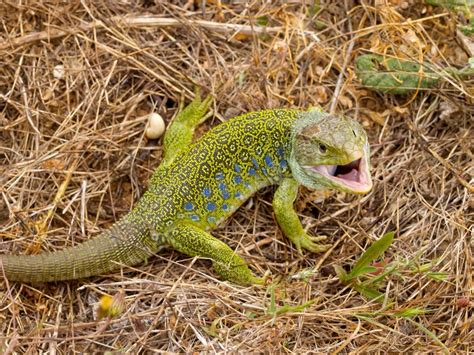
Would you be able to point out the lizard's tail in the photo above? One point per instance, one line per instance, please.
(127, 242)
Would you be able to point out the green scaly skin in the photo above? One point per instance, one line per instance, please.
(200, 184)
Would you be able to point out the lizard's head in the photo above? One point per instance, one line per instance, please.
(330, 152)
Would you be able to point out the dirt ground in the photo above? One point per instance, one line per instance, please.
(77, 80)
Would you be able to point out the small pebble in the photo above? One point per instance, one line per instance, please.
(155, 127)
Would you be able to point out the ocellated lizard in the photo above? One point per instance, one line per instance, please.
(198, 185)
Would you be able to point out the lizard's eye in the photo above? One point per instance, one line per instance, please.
(354, 133)
(322, 148)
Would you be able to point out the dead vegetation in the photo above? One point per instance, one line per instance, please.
(76, 80)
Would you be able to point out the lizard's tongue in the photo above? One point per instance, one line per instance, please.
(348, 172)
(354, 175)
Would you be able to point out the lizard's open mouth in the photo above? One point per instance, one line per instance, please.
(354, 176)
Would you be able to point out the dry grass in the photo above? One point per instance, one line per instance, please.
(89, 123)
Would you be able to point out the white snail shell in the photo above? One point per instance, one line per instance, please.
(155, 127)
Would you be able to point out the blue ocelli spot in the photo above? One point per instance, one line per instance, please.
(210, 206)
(225, 206)
(219, 176)
(238, 194)
(264, 171)
(194, 217)
(211, 219)
(268, 161)
(254, 162)
(237, 168)
(224, 191)
(283, 164)
(188, 206)
(237, 179)
(280, 152)
(252, 172)
(207, 192)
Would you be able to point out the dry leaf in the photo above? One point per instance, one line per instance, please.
(241, 36)
(321, 94)
(376, 117)
(345, 101)
(56, 164)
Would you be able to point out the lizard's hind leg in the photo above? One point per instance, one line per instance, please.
(179, 134)
(194, 241)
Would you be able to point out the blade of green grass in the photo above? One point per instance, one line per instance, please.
(410, 312)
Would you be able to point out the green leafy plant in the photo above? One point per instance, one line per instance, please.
(367, 275)
(374, 273)
(398, 76)
(363, 267)
(392, 75)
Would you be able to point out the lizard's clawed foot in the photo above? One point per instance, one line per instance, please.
(305, 241)
(195, 113)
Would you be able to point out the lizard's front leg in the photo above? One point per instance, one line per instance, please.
(179, 134)
(288, 220)
(194, 241)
